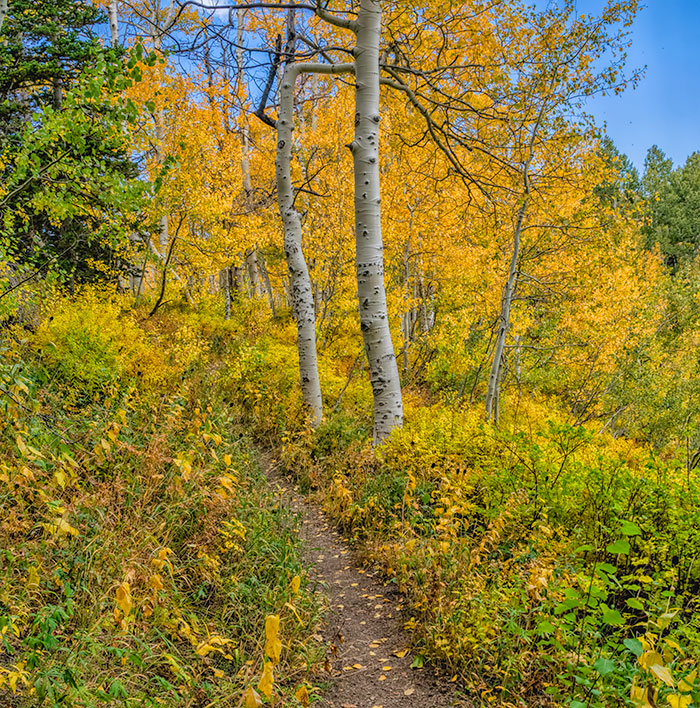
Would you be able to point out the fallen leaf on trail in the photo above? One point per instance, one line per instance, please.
(382, 678)
(302, 695)
(251, 698)
(409, 691)
(386, 668)
(401, 653)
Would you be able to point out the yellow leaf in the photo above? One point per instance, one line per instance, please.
(273, 646)
(302, 695)
(638, 694)
(156, 582)
(60, 527)
(650, 658)
(227, 460)
(401, 653)
(296, 584)
(663, 674)
(33, 579)
(65, 528)
(686, 684)
(677, 701)
(266, 681)
(124, 598)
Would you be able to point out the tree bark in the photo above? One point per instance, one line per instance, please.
(265, 275)
(493, 392)
(371, 292)
(4, 5)
(251, 264)
(112, 10)
(245, 137)
(299, 281)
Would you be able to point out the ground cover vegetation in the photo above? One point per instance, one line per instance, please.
(384, 242)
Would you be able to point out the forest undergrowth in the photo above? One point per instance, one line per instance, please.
(144, 560)
(544, 563)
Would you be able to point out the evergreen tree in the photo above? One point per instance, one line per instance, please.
(65, 173)
(673, 206)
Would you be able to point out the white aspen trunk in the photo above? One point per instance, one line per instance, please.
(302, 298)
(159, 119)
(268, 285)
(113, 12)
(227, 282)
(407, 304)
(299, 282)
(371, 292)
(251, 262)
(164, 221)
(245, 136)
(4, 4)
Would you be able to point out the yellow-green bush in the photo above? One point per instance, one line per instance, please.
(143, 555)
(540, 561)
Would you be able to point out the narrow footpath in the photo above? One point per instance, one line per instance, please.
(368, 657)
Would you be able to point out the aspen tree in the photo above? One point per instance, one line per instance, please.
(113, 12)
(299, 281)
(371, 291)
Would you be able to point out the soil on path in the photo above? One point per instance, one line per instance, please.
(368, 657)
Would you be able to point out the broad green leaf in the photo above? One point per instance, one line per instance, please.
(604, 666)
(612, 617)
(630, 529)
(621, 546)
(545, 627)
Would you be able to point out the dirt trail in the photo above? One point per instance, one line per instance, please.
(369, 665)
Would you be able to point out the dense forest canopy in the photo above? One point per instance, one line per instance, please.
(384, 245)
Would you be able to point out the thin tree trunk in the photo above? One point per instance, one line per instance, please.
(493, 391)
(265, 275)
(227, 281)
(251, 262)
(158, 30)
(374, 321)
(4, 5)
(504, 317)
(113, 12)
(299, 281)
(245, 136)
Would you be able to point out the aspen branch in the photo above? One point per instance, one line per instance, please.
(332, 19)
(260, 112)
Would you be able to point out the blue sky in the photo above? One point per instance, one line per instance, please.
(665, 107)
